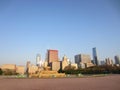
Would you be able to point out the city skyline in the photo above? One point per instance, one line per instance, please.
(69, 26)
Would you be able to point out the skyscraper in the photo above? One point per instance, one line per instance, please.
(65, 62)
(52, 56)
(95, 57)
(109, 61)
(117, 59)
(38, 60)
(83, 60)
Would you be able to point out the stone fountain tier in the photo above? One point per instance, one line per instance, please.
(47, 73)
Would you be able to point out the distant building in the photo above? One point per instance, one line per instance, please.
(38, 60)
(83, 60)
(52, 56)
(109, 61)
(95, 57)
(45, 64)
(74, 65)
(102, 62)
(32, 69)
(82, 65)
(13, 67)
(55, 66)
(65, 62)
(89, 64)
(8, 66)
(117, 59)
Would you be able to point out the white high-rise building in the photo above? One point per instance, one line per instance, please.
(38, 60)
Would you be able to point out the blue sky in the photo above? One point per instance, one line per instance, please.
(28, 27)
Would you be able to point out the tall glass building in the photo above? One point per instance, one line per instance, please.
(95, 57)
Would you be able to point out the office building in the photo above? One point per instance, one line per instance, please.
(102, 62)
(81, 59)
(14, 68)
(38, 59)
(109, 61)
(95, 57)
(39, 62)
(65, 62)
(117, 59)
(8, 66)
(52, 56)
(45, 64)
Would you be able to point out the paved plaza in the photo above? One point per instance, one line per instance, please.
(111, 82)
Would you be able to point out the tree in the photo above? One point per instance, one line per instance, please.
(1, 72)
(9, 72)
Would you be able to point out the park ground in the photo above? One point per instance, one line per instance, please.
(109, 82)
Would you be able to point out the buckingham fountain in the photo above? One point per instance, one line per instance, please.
(46, 73)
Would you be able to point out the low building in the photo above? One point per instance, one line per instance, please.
(8, 66)
(103, 62)
(20, 69)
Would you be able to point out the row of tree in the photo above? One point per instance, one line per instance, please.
(8, 72)
(92, 70)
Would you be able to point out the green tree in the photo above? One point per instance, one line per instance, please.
(9, 72)
(1, 72)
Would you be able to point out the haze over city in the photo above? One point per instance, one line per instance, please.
(29, 27)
